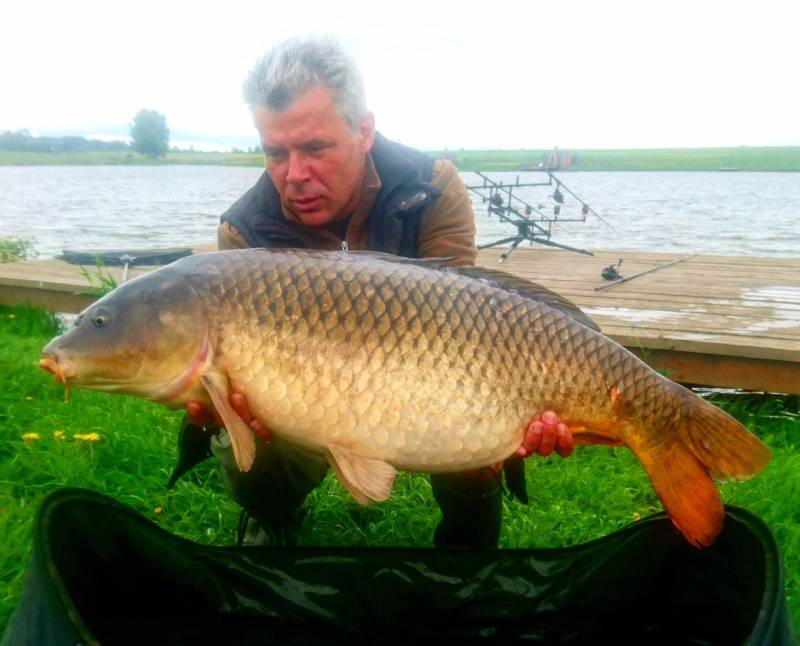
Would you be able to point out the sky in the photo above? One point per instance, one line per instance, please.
(438, 74)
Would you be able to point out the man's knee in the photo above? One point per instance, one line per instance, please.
(472, 509)
(278, 482)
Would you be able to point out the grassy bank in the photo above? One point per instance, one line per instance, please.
(125, 448)
(771, 159)
(665, 159)
(97, 158)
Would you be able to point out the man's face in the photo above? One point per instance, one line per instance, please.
(313, 157)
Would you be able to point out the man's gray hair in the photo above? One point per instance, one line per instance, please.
(292, 68)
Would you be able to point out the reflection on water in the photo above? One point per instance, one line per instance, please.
(84, 207)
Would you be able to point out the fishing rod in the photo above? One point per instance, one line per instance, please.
(587, 207)
(646, 271)
(532, 224)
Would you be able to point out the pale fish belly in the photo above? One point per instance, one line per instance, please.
(380, 403)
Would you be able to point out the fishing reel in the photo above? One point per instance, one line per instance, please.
(612, 271)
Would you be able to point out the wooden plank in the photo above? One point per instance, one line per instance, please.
(725, 372)
(772, 350)
(671, 279)
(730, 326)
(47, 299)
(57, 275)
(721, 306)
(589, 267)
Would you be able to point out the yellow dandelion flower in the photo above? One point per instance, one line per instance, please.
(636, 516)
(30, 437)
(59, 435)
(87, 437)
(158, 509)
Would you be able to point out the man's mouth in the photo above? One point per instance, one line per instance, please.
(306, 204)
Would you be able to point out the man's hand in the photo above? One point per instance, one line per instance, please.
(202, 416)
(544, 434)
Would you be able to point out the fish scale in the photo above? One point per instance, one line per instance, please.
(381, 363)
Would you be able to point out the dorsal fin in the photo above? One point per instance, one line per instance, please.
(527, 289)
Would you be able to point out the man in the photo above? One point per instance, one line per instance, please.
(333, 182)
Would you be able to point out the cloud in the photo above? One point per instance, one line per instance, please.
(512, 74)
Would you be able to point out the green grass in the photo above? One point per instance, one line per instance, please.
(743, 158)
(98, 158)
(593, 493)
(14, 249)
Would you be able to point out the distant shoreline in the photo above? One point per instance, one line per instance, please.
(744, 158)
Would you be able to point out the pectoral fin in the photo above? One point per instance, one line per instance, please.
(242, 440)
(364, 478)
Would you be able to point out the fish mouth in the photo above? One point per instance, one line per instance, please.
(50, 364)
(60, 369)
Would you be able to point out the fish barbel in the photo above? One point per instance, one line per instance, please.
(385, 364)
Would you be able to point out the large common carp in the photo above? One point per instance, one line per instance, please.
(382, 364)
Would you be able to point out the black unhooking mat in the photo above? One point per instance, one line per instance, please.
(100, 572)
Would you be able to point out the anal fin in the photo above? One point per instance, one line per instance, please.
(364, 478)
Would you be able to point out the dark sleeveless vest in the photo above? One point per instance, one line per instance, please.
(393, 222)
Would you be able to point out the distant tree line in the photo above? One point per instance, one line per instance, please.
(148, 131)
(149, 136)
(24, 141)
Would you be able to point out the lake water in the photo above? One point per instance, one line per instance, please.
(95, 207)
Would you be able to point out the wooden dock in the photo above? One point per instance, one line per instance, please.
(722, 321)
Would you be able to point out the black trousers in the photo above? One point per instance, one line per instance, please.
(283, 475)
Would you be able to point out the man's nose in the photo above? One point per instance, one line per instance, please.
(298, 168)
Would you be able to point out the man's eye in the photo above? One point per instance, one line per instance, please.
(275, 154)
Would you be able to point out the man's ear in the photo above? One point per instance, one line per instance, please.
(366, 130)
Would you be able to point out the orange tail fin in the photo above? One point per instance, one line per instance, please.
(727, 449)
(711, 444)
(687, 493)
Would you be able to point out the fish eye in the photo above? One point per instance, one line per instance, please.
(101, 317)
